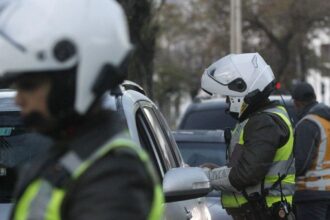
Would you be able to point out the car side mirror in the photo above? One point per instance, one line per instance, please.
(185, 183)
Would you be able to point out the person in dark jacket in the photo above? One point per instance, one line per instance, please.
(312, 153)
(62, 57)
(258, 181)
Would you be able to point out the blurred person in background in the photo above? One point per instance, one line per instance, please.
(258, 181)
(62, 56)
(312, 153)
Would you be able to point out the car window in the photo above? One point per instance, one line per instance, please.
(197, 153)
(208, 120)
(214, 119)
(170, 139)
(163, 142)
(290, 108)
(149, 143)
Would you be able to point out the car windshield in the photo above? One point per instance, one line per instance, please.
(17, 146)
(292, 114)
(196, 154)
(208, 120)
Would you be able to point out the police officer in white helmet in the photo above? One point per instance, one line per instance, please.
(62, 56)
(258, 181)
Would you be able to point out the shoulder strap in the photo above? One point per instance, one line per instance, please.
(280, 110)
(76, 165)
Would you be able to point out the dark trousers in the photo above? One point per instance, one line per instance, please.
(313, 210)
(260, 216)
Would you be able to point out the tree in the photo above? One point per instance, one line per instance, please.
(195, 33)
(281, 31)
(189, 40)
(143, 28)
(284, 29)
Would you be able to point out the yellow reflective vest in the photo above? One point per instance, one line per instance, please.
(282, 164)
(42, 201)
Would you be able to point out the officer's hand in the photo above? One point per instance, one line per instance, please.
(219, 179)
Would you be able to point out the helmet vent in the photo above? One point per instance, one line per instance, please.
(64, 50)
(237, 85)
(212, 72)
(41, 55)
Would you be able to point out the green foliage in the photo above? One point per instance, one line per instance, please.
(175, 43)
(143, 28)
(197, 32)
(190, 34)
(284, 28)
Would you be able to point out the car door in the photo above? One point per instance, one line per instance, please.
(156, 138)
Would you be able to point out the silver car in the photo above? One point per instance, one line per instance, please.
(184, 187)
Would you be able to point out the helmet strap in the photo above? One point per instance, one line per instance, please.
(256, 98)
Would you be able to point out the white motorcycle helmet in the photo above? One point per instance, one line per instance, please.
(50, 36)
(244, 78)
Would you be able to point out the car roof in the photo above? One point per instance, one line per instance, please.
(7, 101)
(280, 97)
(208, 104)
(207, 136)
(216, 103)
(136, 96)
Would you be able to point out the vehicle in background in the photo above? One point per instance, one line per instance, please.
(204, 146)
(210, 114)
(207, 114)
(201, 146)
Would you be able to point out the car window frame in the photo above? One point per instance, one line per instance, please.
(152, 149)
(168, 133)
(169, 151)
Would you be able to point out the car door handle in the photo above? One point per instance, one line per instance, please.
(188, 213)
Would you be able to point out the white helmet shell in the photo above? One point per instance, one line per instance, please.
(237, 75)
(31, 29)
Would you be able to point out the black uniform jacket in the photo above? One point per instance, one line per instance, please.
(264, 133)
(115, 187)
(307, 139)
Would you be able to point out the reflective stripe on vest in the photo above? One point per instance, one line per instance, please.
(42, 201)
(282, 163)
(318, 176)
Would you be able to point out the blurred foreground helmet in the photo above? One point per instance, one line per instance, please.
(245, 79)
(53, 36)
